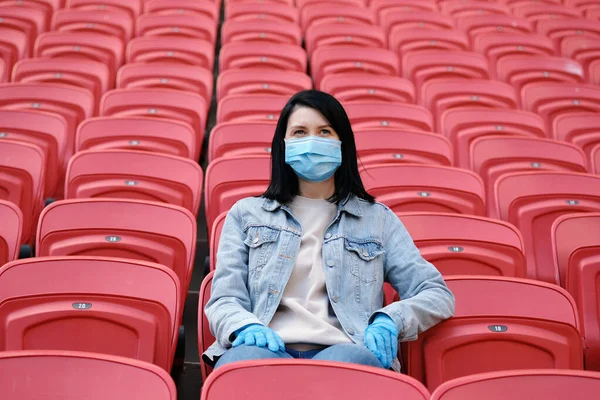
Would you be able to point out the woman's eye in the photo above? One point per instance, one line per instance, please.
(299, 132)
(325, 132)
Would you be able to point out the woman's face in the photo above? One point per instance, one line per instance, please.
(306, 121)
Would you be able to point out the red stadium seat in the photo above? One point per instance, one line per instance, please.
(55, 375)
(157, 103)
(46, 6)
(301, 4)
(112, 23)
(168, 51)
(462, 8)
(463, 125)
(481, 246)
(521, 70)
(359, 86)
(230, 179)
(250, 107)
(335, 13)
(441, 95)
(28, 20)
(103, 305)
(519, 385)
(213, 245)
(378, 115)
(260, 11)
(319, 35)
(270, 379)
(550, 99)
(536, 12)
(579, 128)
(379, 6)
(47, 131)
(22, 174)
(10, 231)
(191, 78)
(177, 26)
(559, 29)
(14, 46)
(492, 156)
(262, 55)
(193, 7)
(205, 337)
(4, 71)
(476, 25)
(403, 41)
(138, 133)
(399, 19)
(138, 175)
(393, 146)
(517, 3)
(132, 7)
(235, 139)
(576, 242)
(583, 49)
(285, 2)
(580, 5)
(261, 31)
(594, 72)
(533, 200)
(338, 59)
(255, 81)
(595, 159)
(412, 187)
(126, 228)
(499, 325)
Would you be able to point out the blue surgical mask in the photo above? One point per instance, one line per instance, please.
(313, 159)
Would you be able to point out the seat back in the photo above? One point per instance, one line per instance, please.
(164, 50)
(458, 9)
(521, 70)
(322, 34)
(360, 86)
(258, 11)
(175, 26)
(262, 55)
(10, 231)
(256, 81)
(117, 306)
(558, 29)
(28, 20)
(595, 160)
(250, 107)
(261, 31)
(56, 375)
(131, 7)
(111, 23)
(205, 337)
(235, 139)
(475, 25)
(580, 128)
(208, 8)
(501, 319)
(396, 18)
(403, 41)
(378, 115)
(329, 14)
(583, 49)
(536, 12)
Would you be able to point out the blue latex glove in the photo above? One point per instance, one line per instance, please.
(258, 335)
(381, 337)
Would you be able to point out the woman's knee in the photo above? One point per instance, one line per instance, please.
(246, 353)
(351, 353)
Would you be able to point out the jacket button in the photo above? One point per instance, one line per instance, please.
(350, 331)
(328, 236)
(330, 263)
(335, 299)
(255, 240)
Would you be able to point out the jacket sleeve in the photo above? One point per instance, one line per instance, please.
(425, 298)
(229, 307)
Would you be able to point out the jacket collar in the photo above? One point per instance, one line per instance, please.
(352, 205)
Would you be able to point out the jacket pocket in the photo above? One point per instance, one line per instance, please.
(365, 258)
(261, 241)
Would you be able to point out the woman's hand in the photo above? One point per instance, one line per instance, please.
(259, 335)
(381, 337)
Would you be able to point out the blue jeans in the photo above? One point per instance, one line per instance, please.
(345, 352)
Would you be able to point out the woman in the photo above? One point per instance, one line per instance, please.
(300, 270)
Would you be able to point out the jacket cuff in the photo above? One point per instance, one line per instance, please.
(395, 314)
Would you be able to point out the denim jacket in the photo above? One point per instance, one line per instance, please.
(365, 245)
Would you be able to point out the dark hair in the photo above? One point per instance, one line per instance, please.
(284, 182)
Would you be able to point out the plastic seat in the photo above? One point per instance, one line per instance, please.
(476, 25)
(87, 74)
(338, 59)
(378, 115)
(262, 55)
(399, 19)
(492, 156)
(319, 35)
(355, 381)
(244, 81)
(105, 49)
(461, 8)
(14, 46)
(579, 128)
(412, 187)
(594, 72)
(126, 228)
(132, 7)
(138, 133)
(500, 318)
(215, 236)
(559, 29)
(112, 23)
(423, 66)
(378, 6)
(576, 242)
(358, 86)
(190, 78)
(403, 41)
(168, 51)
(117, 306)
(261, 12)
(261, 31)
(536, 12)
(205, 337)
(22, 174)
(441, 95)
(230, 179)
(396, 146)
(481, 246)
(335, 13)
(532, 201)
(521, 70)
(44, 130)
(192, 7)
(45, 6)
(581, 5)
(550, 100)
(595, 159)
(250, 107)
(463, 125)
(135, 175)
(582, 49)
(236, 139)
(10, 231)
(157, 103)
(28, 20)
(176, 26)
(285, 2)
(518, 385)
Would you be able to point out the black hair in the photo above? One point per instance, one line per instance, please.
(284, 182)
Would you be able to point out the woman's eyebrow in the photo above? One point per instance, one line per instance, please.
(325, 126)
(297, 127)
